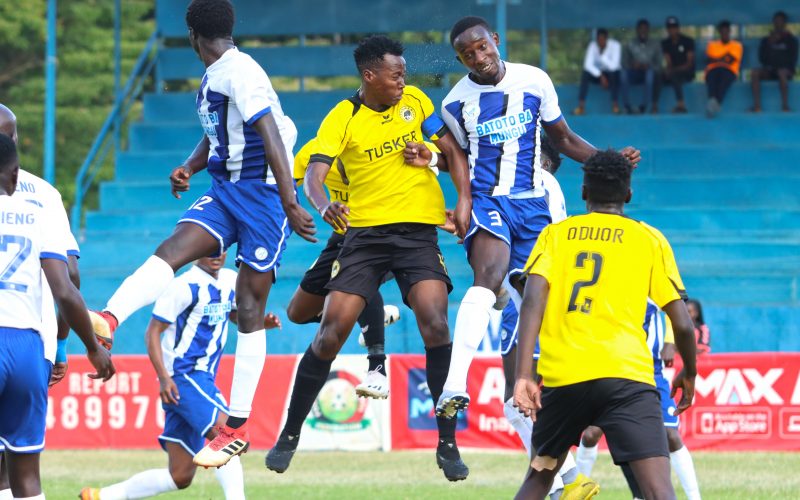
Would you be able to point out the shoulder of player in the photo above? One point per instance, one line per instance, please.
(40, 185)
(414, 96)
(653, 233)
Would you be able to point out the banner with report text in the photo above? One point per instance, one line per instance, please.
(744, 401)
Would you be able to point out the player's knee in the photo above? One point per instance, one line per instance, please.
(591, 436)
(674, 440)
(182, 478)
(490, 275)
(328, 340)
(436, 332)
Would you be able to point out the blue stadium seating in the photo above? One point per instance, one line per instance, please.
(724, 191)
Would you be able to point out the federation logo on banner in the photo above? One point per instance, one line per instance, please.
(421, 415)
(337, 407)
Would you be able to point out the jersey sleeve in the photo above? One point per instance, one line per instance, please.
(55, 209)
(453, 118)
(250, 91)
(666, 284)
(432, 125)
(333, 134)
(53, 225)
(548, 109)
(541, 259)
(175, 299)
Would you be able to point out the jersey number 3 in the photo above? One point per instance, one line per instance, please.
(580, 262)
(14, 262)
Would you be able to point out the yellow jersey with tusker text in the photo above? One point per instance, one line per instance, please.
(383, 188)
(601, 269)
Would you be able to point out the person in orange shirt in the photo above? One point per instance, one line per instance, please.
(724, 58)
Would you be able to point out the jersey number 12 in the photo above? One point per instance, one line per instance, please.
(580, 262)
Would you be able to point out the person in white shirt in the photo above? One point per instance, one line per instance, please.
(601, 65)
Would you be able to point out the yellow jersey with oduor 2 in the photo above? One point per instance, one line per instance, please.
(601, 269)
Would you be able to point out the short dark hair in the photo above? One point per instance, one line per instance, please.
(643, 22)
(370, 51)
(602, 31)
(696, 304)
(724, 24)
(8, 152)
(466, 23)
(210, 18)
(550, 151)
(607, 177)
(782, 15)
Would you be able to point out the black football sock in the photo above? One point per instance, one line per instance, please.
(312, 373)
(371, 322)
(235, 422)
(437, 363)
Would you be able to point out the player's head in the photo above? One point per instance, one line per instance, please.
(724, 28)
(476, 46)
(380, 62)
(9, 164)
(551, 159)
(695, 311)
(209, 19)
(8, 123)
(642, 28)
(673, 26)
(607, 179)
(602, 37)
(779, 20)
(212, 265)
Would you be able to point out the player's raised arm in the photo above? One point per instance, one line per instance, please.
(334, 213)
(71, 305)
(196, 162)
(152, 337)
(301, 221)
(459, 172)
(534, 301)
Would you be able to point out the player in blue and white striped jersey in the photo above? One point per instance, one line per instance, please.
(496, 112)
(185, 339)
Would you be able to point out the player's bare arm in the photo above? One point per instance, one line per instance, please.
(526, 390)
(168, 390)
(577, 148)
(334, 213)
(668, 354)
(686, 343)
(459, 172)
(300, 221)
(71, 305)
(196, 162)
(60, 367)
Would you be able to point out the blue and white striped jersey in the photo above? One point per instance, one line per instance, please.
(654, 327)
(234, 93)
(498, 126)
(197, 307)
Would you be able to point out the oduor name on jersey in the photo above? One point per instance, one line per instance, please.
(595, 234)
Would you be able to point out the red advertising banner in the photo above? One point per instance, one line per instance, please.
(125, 412)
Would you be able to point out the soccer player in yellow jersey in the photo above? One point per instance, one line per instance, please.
(589, 278)
(394, 207)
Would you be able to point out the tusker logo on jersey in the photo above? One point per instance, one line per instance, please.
(420, 403)
(408, 114)
(209, 121)
(338, 407)
(505, 128)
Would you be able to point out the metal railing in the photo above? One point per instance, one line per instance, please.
(84, 179)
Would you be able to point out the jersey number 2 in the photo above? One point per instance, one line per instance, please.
(16, 260)
(580, 262)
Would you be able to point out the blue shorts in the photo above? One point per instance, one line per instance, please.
(247, 212)
(667, 404)
(508, 331)
(24, 374)
(518, 222)
(188, 422)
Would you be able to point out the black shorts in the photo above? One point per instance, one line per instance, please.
(771, 73)
(628, 412)
(410, 251)
(318, 275)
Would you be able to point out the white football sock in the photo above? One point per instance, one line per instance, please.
(568, 470)
(141, 288)
(683, 465)
(585, 459)
(6, 494)
(231, 479)
(144, 484)
(472, 323)
(522, 424)
(251, 353)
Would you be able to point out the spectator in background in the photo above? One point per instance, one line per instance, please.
(679, 66)
(724, 59)
(601, 65)
(641, 63)
(777, 55)
(701, 331)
